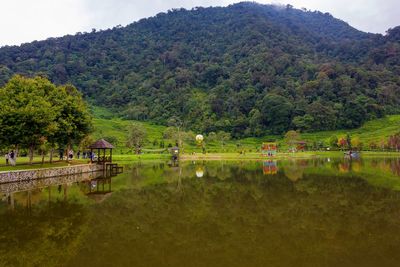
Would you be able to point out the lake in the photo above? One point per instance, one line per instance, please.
(300, 212)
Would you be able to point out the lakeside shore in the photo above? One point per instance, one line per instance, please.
(126, 159)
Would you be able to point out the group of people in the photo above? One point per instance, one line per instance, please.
(10, 158)
(70, 154)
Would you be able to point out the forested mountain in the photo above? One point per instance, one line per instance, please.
(248, 69)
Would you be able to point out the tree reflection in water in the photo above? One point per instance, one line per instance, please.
(308, 213)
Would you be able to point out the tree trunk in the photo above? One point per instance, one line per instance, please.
(31, 154)
(180, 143)
(51, 155)
(68, 149)
(16, 154)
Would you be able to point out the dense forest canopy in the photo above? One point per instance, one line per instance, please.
(248, 69)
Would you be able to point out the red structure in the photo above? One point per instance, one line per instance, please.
(269, 149)
(301, 146)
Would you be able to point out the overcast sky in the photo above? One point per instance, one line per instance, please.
(27, 20)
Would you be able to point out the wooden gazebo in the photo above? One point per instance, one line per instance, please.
(102, 147)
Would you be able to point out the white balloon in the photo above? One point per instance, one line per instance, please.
(199, 138)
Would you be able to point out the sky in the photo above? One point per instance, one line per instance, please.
(24, 21)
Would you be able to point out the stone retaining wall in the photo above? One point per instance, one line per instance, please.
(27, 175)
(8, 188)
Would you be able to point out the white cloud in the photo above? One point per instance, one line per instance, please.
(367, 15)
(109, 13)
(28, 20)
(25, 21)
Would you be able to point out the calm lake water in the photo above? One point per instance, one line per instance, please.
(315, 212)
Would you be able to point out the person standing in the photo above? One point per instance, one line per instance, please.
(78, 154)
(7, 158)
(70, 154)
(12, 158)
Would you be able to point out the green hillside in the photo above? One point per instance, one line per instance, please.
(373, 130)
(108, 126)
(247, 69)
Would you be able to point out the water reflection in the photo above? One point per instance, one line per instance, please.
(314, 212)
(270, 167)
(294, 169)
(28, 193)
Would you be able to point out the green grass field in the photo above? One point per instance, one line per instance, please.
(107, 125)
(371, 131)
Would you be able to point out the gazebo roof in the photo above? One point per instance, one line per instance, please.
(102, 144)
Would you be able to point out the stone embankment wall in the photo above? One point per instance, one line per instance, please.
(27, 175)
(7, 188)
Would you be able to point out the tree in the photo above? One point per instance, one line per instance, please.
(73, 121)
(303, 123)
(112, 139)
(394, 142)
(171, 133)
(43, 147)
(27, 112)
(136, 137)
(276, 113)
(223, 137)
(34, 109)
(86, 142)
(356, 143)
(333, 141)
(177, 131)
(322, 116)
(353, 115)
(189, 137)
(372, 145)
(382, 144)
(291, 139)
(212, 137)
(255, 122)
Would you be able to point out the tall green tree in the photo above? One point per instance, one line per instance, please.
(73, 119)
(223, 137)
(34, 109)
(26, 112)
(291, 139)
(276, 113)
(136, 137)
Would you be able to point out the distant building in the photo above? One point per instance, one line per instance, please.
(301, 146)
(269, 149)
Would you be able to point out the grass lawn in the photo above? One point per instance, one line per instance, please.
(23, 164)
(107, 125)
